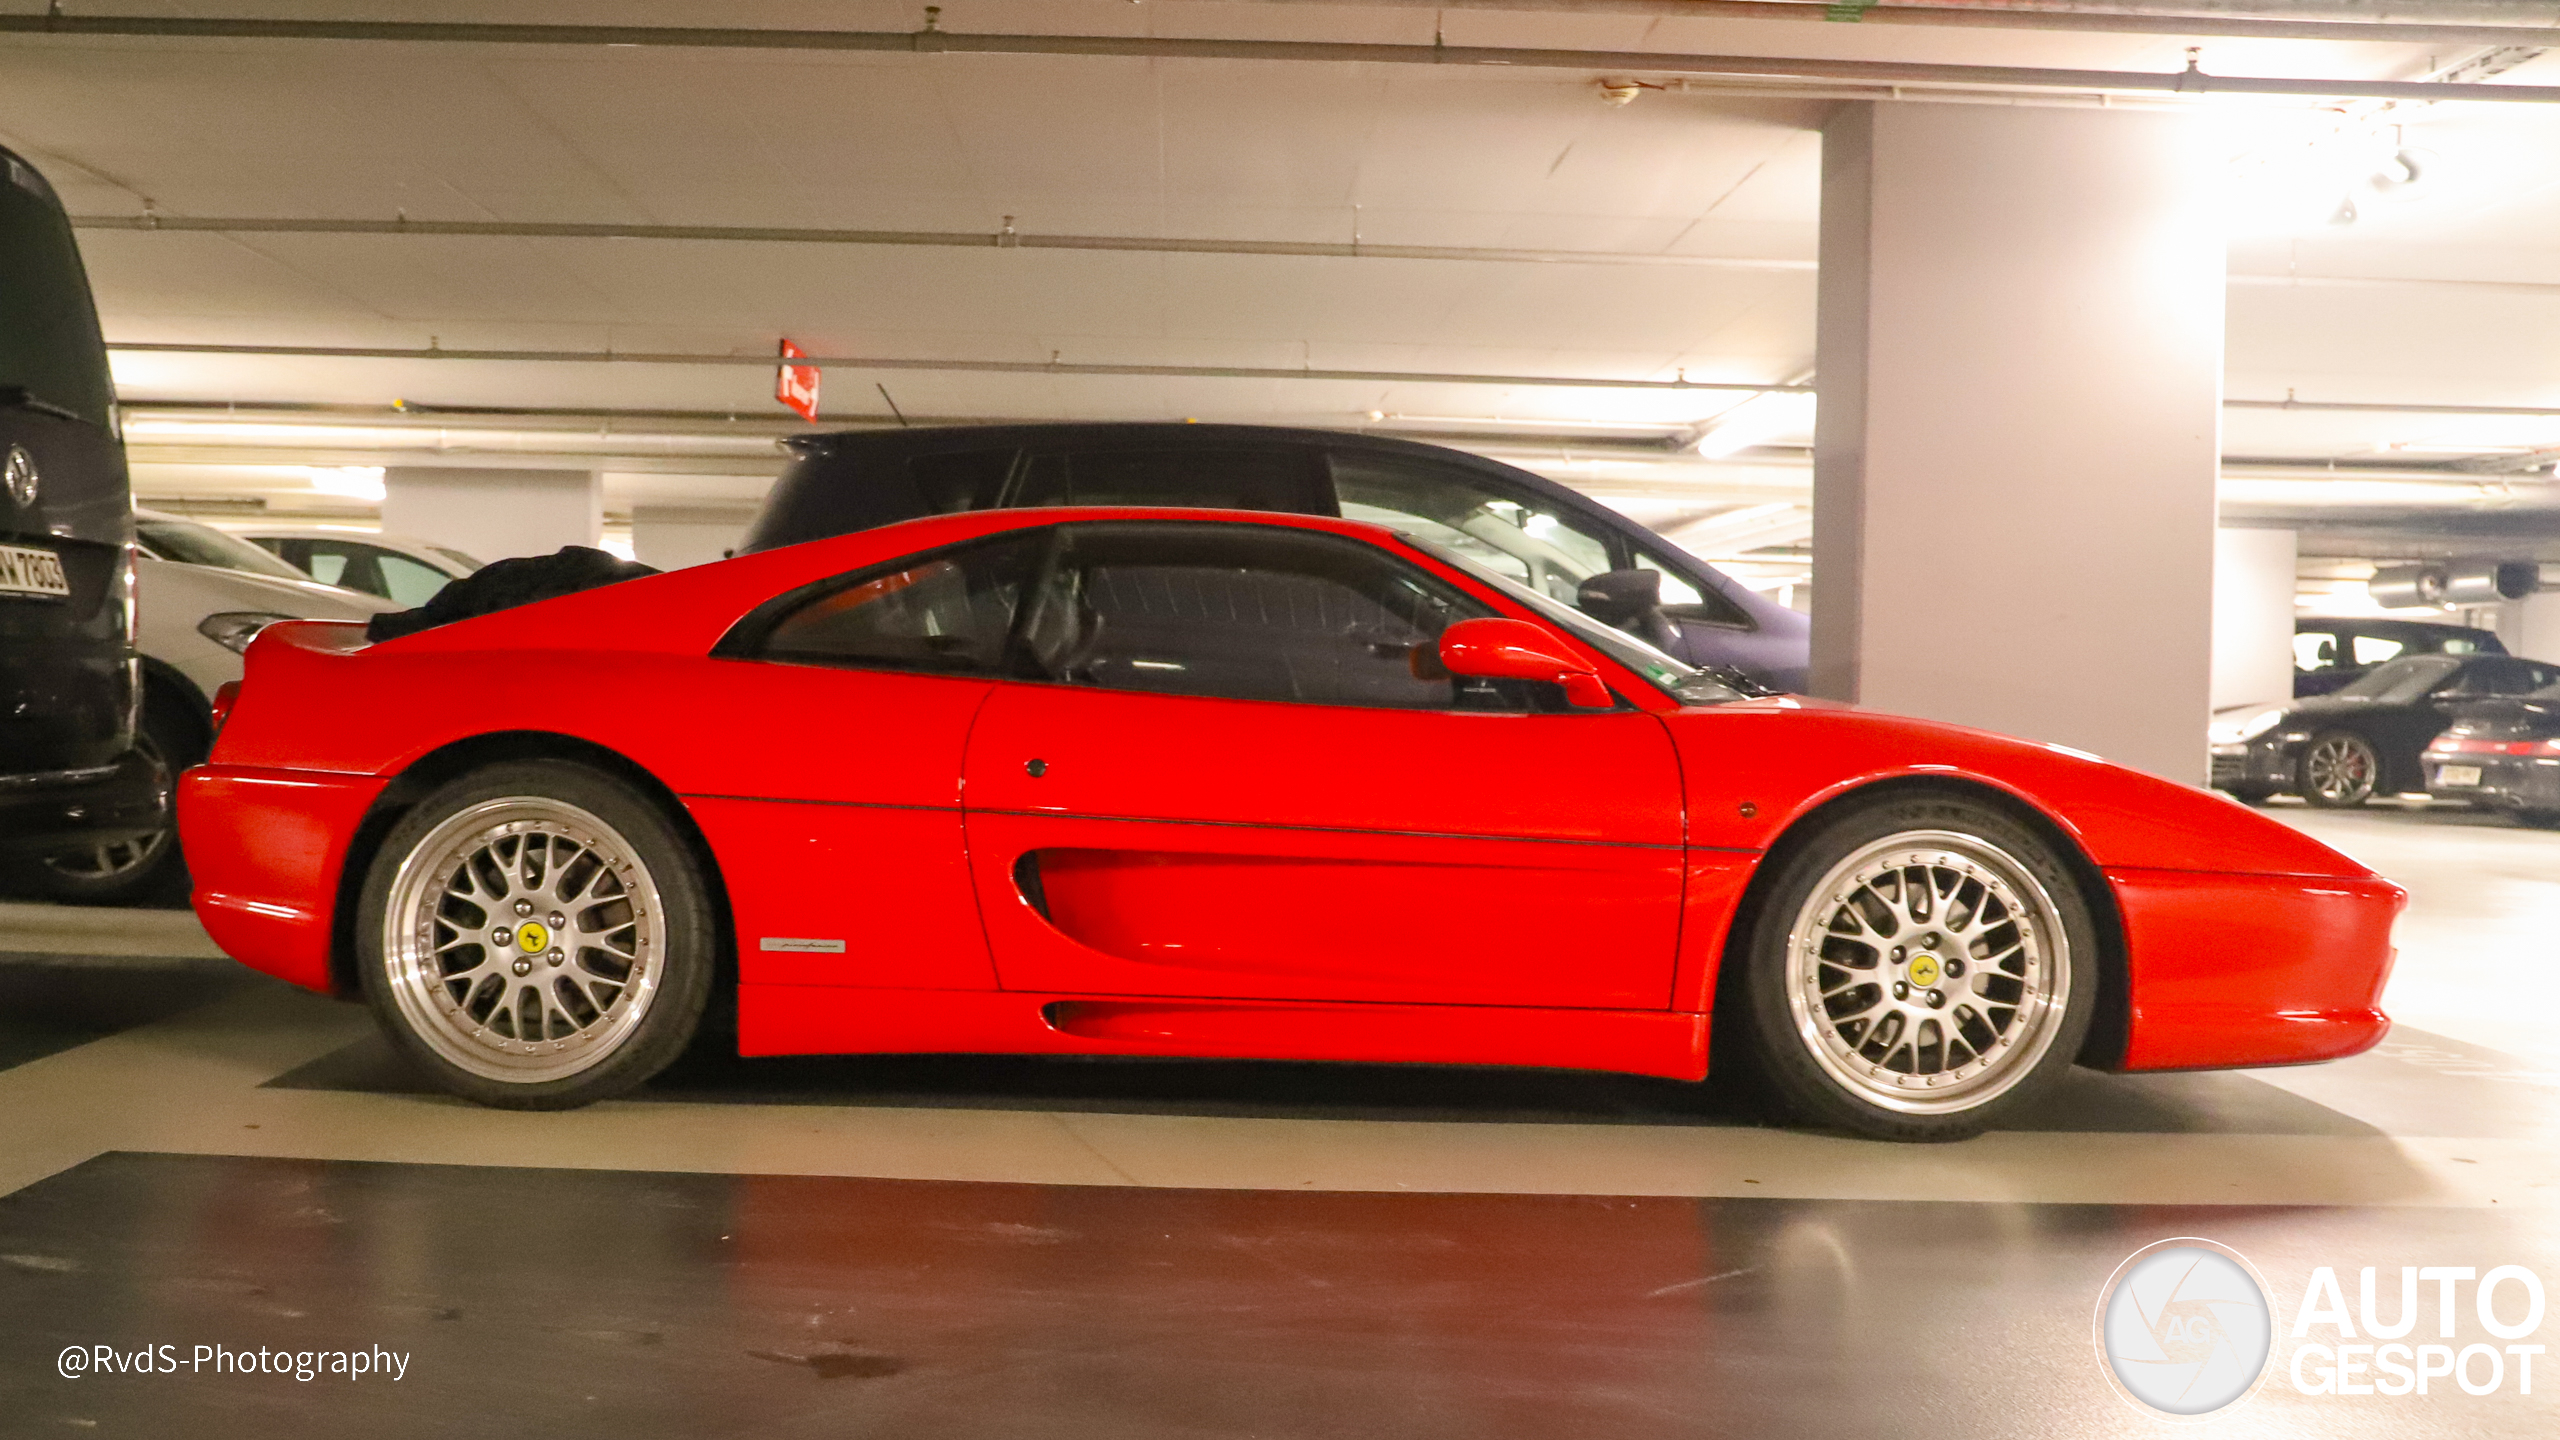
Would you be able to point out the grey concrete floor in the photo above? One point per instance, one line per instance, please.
(191, 1155)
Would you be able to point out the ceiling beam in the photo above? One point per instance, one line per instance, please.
(1007, 238)
(935, 41)
(992, 367)
(2261, 21)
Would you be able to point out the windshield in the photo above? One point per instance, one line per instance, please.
(2398, 681)
(193, 544)
(1683, 683)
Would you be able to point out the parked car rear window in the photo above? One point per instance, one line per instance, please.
(49, 343)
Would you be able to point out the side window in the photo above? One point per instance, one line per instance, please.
(1283, 478)
(358, 567)
(2314, 650)
(2374, 649)
(944, 613)
(1511, 535)
(1684, 601)
(2459, 645)
(407, 581)
(2505, 677)
(965, 480)
(1246, 613)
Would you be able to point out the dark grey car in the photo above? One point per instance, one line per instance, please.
(73, 785)
(1521, 525)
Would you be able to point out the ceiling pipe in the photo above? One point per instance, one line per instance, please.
(2481, 22)
(1005, 239)
(987, 367)
(931, 40)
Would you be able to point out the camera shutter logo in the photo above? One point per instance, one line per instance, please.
(2183, 1329)
(22, 478)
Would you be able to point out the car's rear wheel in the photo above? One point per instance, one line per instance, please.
(142, 869)
(536, 936)
(2339, 769)
(1919, 968)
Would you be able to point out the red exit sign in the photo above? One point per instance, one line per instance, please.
(796, 386)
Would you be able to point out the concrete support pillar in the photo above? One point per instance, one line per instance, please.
(672, 537)
(2020, 362)
(2253, 593)
(2536, 633)
(493, 514)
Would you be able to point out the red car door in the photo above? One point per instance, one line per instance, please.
(1240, 783)
(837, 819)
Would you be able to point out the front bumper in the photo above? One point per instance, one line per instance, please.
(40, 815)
(2268, 763)
(2239, 970)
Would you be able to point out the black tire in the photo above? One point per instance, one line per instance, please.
(2250, 794)
(586, 866)
(2018, 1001)
(2339, 770)
(144, 871)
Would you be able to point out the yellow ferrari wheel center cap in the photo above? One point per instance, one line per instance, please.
(1924, 970)
(531, 938)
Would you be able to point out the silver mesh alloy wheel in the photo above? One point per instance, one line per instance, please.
(523, 940)
(1927, 972)
(2340, 769)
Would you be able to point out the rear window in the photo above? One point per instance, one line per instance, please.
(49, 340)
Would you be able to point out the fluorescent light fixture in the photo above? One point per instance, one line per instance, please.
(350, 482)
(1755, 421)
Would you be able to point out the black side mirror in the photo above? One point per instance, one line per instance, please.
(1614, 597)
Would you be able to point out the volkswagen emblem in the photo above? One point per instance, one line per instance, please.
(22, 477)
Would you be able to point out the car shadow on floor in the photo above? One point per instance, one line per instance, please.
(2089, 1102)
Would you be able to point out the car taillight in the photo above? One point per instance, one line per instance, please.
(2465, 745)
(222, 701)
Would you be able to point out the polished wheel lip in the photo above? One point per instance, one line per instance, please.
(2044, 950)
(2325, 763)
(417, 984)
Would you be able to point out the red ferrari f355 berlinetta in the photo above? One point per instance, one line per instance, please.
(1187, 783)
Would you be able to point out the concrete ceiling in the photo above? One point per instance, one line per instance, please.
(2445, 296)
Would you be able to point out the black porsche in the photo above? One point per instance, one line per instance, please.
(2502, 754)
(2371, 737)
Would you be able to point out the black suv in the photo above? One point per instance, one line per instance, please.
(71, 776)
(1527, 527)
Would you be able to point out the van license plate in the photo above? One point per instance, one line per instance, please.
(2457, 774)
(24, 571)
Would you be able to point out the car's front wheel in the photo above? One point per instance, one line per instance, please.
(537, 936)
(1919, 968)
(2340, 769)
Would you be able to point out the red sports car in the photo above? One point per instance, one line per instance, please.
(1186, 783)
